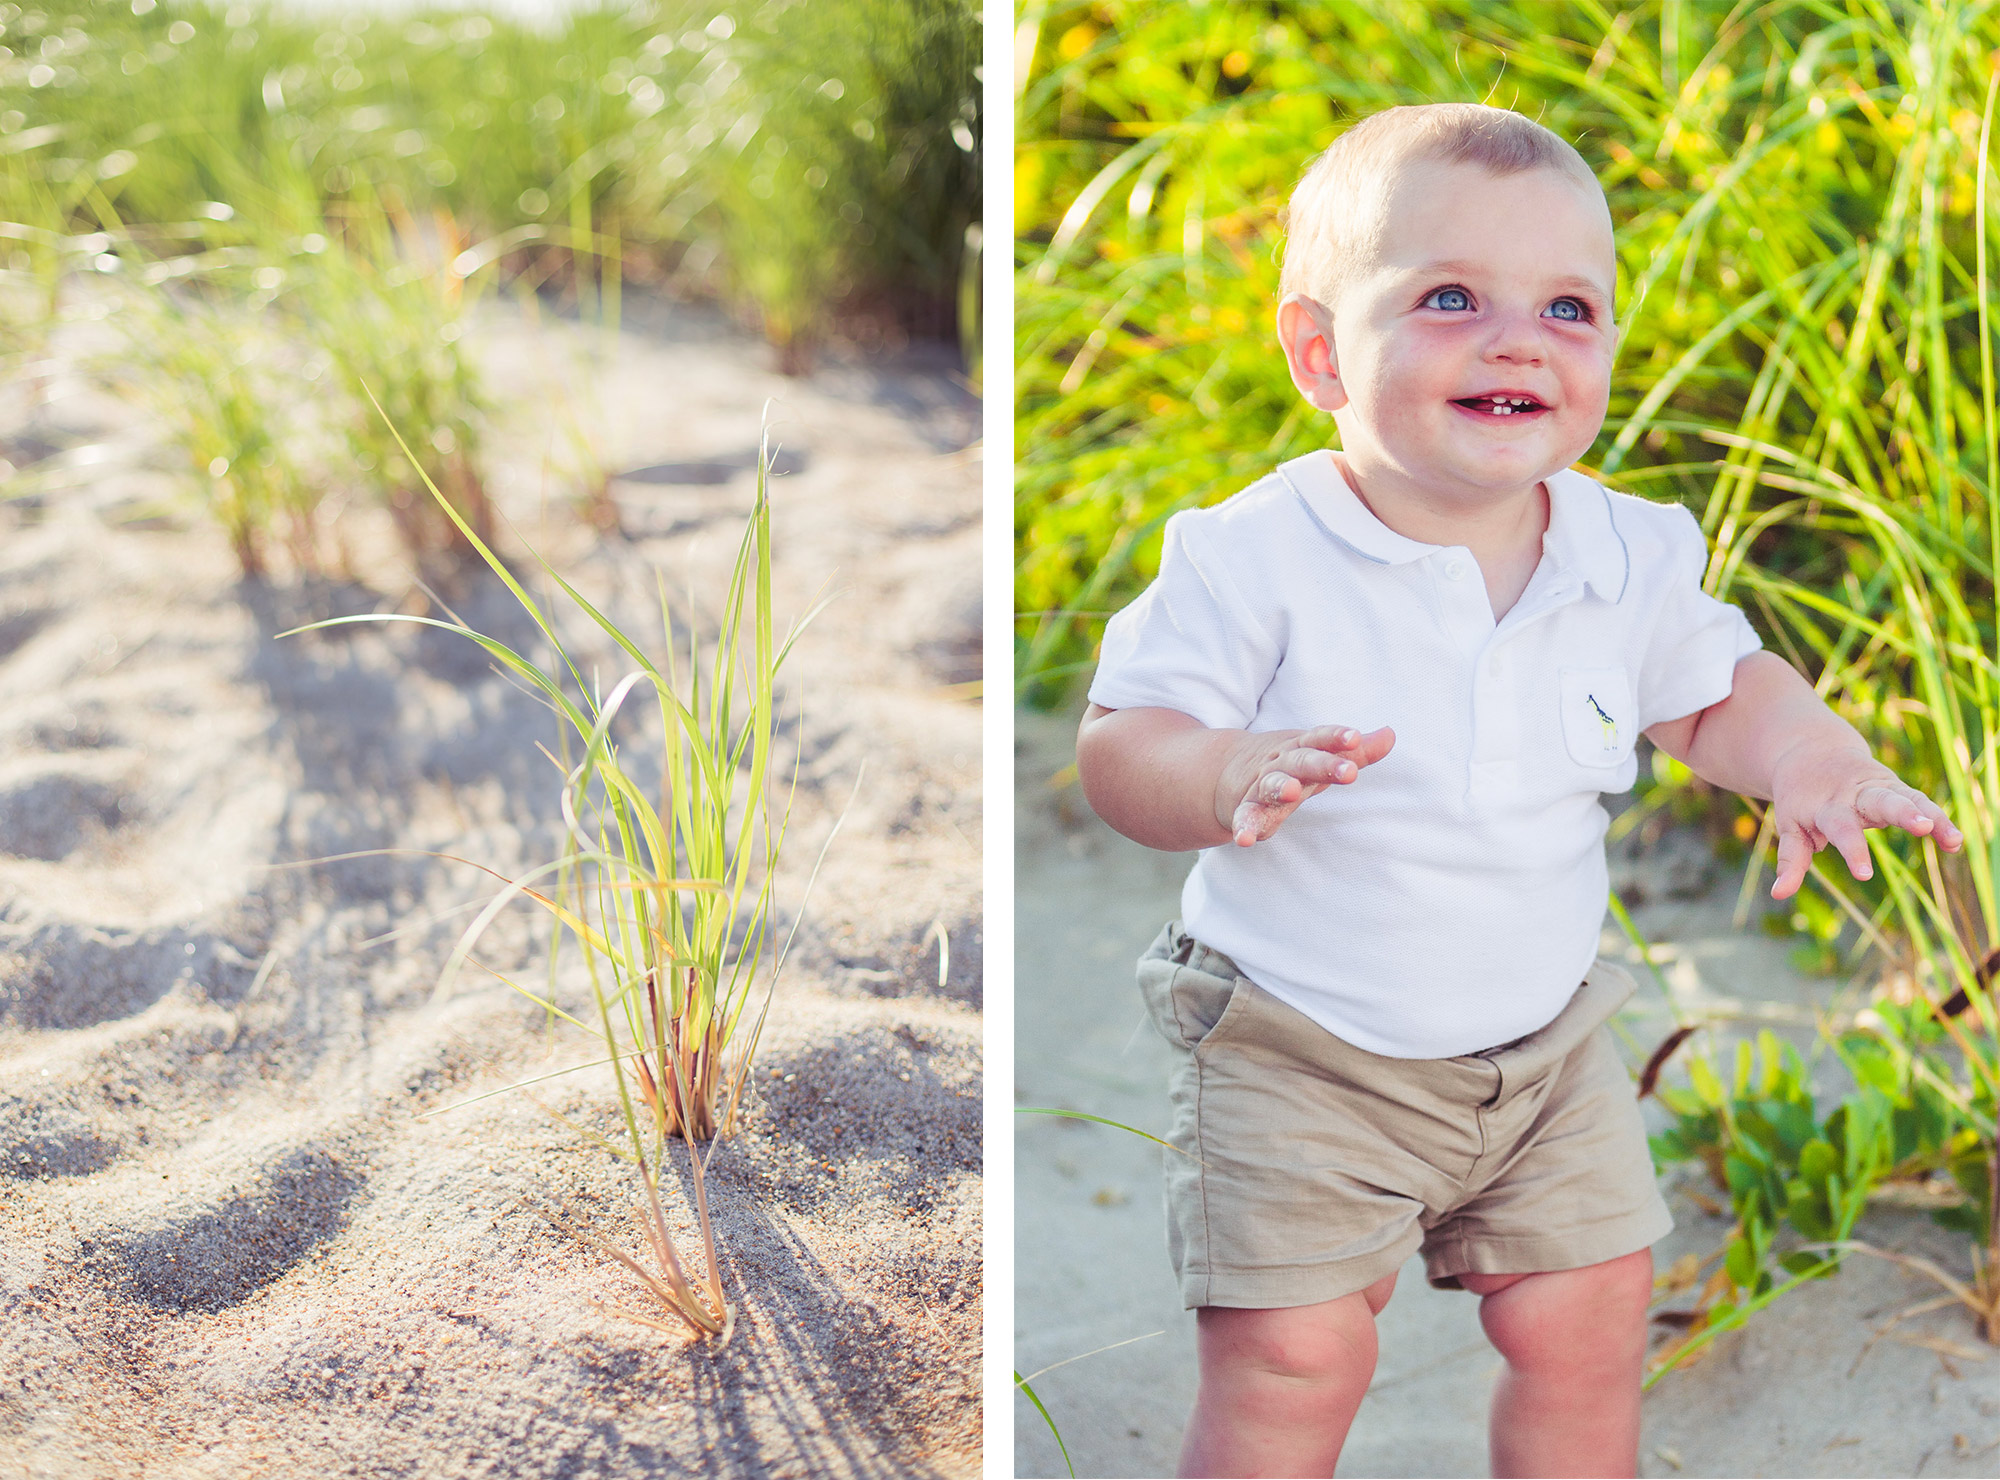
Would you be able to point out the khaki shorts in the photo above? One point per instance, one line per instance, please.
(1315, 1168)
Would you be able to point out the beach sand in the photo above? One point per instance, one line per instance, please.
(242, 1230)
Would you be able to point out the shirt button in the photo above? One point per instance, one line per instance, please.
(1454, 569)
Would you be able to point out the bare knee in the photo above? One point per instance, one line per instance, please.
(1581, 1320)
(1280, 1387)
(1302, 1346)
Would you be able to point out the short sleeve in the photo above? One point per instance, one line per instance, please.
(1690, 662)
(1191, 641)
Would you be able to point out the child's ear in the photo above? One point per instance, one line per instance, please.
(1305, 329)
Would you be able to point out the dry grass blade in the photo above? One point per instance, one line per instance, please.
(1923, 1307)
(1943, 1346)
(523, 1084)
(673, 1293)
(1981, 1296)
(1094, 1351)
(1101, 1120)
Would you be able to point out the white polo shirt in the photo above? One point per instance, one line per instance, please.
(1450, 898)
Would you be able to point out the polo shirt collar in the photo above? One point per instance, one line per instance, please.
(1582, 535)
(1338, 509)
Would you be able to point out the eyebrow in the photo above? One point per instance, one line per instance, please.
(1457, 268)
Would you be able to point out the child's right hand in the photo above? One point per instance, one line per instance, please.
(1274, 771)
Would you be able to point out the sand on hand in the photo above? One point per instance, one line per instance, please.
(236, 1234)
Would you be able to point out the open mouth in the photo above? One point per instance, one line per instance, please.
(1501, 405)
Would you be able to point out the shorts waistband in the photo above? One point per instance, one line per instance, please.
(1604, 989)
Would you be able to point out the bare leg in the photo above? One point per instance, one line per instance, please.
(1575, 1343)
(1279, 1387)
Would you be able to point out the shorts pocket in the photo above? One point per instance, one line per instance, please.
(1189, 1006)
(1597, 716)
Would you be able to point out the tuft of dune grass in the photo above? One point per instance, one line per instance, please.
(666, 893)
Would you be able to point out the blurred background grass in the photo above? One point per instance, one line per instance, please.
(278, 205)
(813, 162)
(1804, 202)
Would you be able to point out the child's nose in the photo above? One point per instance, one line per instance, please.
(1517, 339)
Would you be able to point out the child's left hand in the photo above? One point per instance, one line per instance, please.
(1823, 794)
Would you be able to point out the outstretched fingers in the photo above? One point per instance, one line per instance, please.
(1845, 827)
(1271, 799)
(1795, 853)
(1799, 841)
(1842, 828)
(1912, 811)
(1362, 750)
(1327, 755)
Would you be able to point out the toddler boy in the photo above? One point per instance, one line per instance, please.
(1381, 690)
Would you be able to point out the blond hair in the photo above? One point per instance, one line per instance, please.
(1336, 209)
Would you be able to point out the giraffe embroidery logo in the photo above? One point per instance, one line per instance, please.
(1608, 724)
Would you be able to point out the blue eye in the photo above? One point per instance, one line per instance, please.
(1567, 309)
(1451, 300)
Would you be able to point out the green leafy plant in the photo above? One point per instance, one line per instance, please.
(1798, 1182)
(1762, 1141)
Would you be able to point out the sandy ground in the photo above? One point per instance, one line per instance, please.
(1801, 1391)
(234, 1237)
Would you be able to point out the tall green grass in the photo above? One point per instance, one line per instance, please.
(808, 160)
(1805, 199)
(864, 161)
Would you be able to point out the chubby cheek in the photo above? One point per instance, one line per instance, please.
(1399, 413)
(1408, 389)
(1587, 392)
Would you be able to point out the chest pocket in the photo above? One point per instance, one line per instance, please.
(1598, 716)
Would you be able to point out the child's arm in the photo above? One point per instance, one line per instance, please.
(1166, 780)
(1774, 739)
